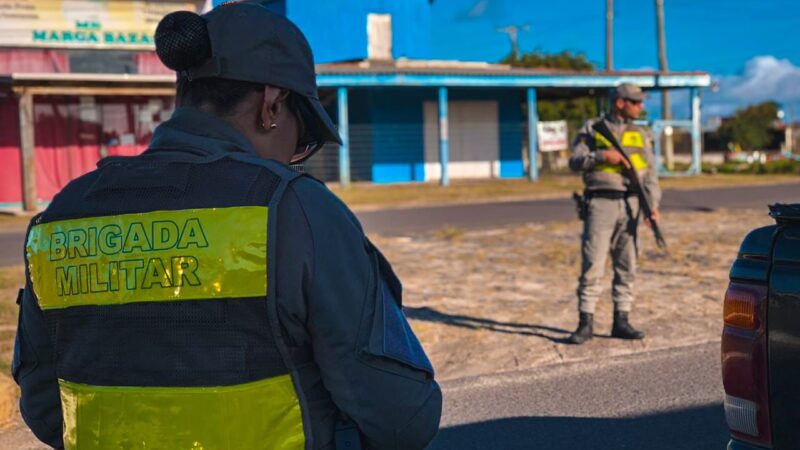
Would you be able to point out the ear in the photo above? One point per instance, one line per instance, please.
(273, 104)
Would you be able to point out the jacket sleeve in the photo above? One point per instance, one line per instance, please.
(33, 369)
(582, 157)
(650, 182)
(370, 360)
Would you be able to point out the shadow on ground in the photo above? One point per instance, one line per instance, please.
(689, 429)
(475, 323)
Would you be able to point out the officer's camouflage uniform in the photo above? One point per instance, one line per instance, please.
(613, 209)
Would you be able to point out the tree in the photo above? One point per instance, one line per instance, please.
(540, 60)
(750, 128)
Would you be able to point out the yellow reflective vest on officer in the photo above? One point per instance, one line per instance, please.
(126, 292)
(588, 152)
(152, 318)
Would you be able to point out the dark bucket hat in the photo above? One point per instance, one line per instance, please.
(251, 43)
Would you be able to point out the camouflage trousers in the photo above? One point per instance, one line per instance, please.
(610, 227)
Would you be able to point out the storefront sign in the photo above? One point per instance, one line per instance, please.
(85, 23)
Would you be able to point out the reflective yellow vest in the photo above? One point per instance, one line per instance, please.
(632, 142)
(163, 315)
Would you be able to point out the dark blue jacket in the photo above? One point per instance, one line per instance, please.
(338, 306)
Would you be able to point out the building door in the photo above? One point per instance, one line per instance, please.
(474, 140)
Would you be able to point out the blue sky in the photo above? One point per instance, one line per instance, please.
(712, 35)
(751, 47)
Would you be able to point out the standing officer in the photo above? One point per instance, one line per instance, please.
(612, 209)
(204, 296)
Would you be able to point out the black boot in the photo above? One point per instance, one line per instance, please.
(584, 331)
(622, 329)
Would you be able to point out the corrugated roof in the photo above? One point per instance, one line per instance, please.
(437, 67)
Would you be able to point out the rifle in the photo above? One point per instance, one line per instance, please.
(601, 127)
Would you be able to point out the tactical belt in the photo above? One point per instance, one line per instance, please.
(611, 195)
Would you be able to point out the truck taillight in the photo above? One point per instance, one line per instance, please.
(744, 363)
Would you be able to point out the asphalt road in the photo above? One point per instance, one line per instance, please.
(11, 247)
(487, 215)
(663, 400)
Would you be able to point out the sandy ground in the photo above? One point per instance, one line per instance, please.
(504, 299)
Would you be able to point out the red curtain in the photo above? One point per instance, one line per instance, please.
(66, 146)
(71, 134)
(10, 162)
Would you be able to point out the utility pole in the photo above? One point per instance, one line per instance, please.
(666, 109)
(513, 34)
(609, 34)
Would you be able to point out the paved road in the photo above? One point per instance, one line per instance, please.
(472, 216)
(664, 400)
(11, 247)
(486, 215)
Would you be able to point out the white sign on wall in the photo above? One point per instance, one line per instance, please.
(553, 136)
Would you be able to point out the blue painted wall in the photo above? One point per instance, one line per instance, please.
(387, 134)
(361, 134)
(397, 136)
(337, 30)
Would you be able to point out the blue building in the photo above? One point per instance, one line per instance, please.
(405, 118)
(426, 120)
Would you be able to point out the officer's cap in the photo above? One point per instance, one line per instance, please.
(250, 43)
(629, 91)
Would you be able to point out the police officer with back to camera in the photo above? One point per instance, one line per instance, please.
(610, 209)
(202, 295)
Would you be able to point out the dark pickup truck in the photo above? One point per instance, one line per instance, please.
(761, 337)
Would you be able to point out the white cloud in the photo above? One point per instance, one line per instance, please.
(478, 9)
(764, 78)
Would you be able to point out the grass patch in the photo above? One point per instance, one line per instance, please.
(11, 222)
(11, 280)
(411, 194)
(726, 180)
(376, 196)
(782, 166)
(450, 233)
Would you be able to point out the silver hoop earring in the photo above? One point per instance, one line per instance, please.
(272, 126)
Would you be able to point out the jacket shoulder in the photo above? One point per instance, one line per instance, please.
(322, 207)
(586, 128)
